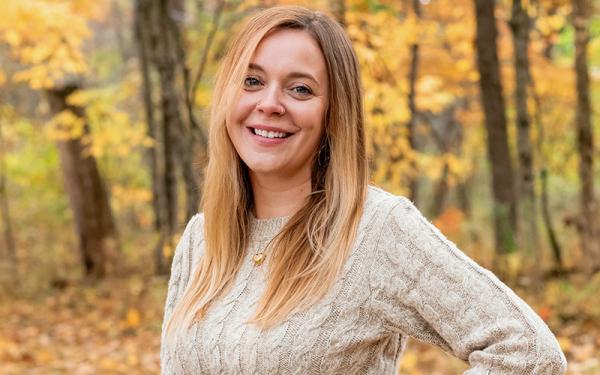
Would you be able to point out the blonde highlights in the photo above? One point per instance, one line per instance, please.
(308, 254)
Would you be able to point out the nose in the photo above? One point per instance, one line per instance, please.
(270, 102)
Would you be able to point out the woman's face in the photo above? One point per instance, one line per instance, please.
(277, 124)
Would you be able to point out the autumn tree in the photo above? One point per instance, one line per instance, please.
(492, 99)
(5, 212)
(547, 109)
(588, 223)
(179, 136)
(161, 157)
(84, 185)
(52, 57)
(520, 26)
(413, 76)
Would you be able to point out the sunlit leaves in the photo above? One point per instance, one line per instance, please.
(446, 74)
(126, 196)
(551, 24)
(66, 125)
(110, 328)
(432, 96)
(112, 129)
(46, 37)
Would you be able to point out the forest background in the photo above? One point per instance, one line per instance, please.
(485, 113)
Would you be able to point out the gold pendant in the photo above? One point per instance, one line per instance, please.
(258, 258)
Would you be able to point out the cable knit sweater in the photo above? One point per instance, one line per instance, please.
(402, 279)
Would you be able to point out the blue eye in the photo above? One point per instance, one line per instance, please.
(302, 90)
(251, 81)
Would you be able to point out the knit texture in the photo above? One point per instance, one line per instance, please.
(402, 279)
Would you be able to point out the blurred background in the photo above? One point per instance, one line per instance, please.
(484, 113)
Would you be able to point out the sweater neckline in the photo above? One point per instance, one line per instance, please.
(266, 228)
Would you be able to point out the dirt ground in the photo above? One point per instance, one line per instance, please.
(114, 328)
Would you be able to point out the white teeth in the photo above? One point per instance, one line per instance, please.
(269, 134)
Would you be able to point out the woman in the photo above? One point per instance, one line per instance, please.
(297, 265)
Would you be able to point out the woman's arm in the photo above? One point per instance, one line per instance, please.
(180, 274)
(425, 287)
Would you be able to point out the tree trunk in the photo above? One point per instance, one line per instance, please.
(173, 14)
(550, 231)
(171, 123)
(447, 135)
(9, 238)
(590, 240)
(528, 236)
(464, 197)
(87, 194)
(176, 131)
(503, 188)
(413, 181)
(145, 44)
(552, 238)
(440, 193)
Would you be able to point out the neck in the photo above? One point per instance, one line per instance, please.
(276, 198)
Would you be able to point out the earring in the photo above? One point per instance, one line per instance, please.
(324, 155)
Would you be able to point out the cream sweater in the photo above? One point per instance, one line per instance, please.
(402, 279)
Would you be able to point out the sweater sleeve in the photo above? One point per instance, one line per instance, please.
(180, 274)
(426, 288)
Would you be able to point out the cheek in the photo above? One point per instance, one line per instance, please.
(316, 120)
(242, 108)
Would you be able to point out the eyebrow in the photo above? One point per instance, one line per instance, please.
(259, 68)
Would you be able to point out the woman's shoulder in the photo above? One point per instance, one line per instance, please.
(189, 246)
(194, 229)
(380, 202)
(196, 223)
(399, 212)
(381, 208)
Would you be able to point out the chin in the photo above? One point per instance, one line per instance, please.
(265, 170)
(264, 164)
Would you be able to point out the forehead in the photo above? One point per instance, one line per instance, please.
(290, 50)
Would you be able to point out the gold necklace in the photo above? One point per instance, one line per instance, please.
(259, 258)
(260, 255)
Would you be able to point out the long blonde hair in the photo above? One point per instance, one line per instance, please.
(311, 249)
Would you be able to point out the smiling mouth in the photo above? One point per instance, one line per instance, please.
(269, 134)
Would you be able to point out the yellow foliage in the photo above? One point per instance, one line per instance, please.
(565, 343)
(112, 130)
(550, 24)
(458, 167)
(107, 364)
(133, 318)
(132, 360)
(44, 356)
(432, 96)
(167, 250)
(203, 96)
(12, 37)
(131, 194)
(65, 125)
(96, 10)
(408, 363)
(47, 37)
